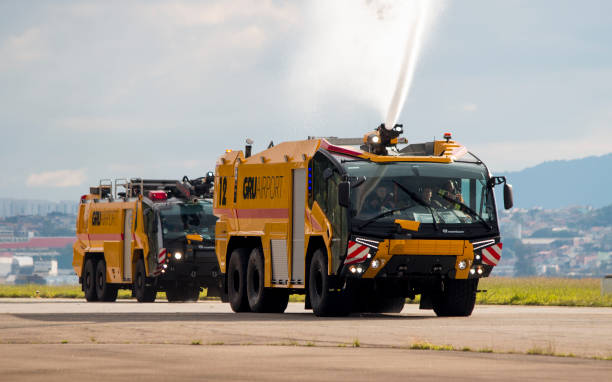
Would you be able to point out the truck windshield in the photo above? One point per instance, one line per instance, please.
(439, 194)
(180, 219)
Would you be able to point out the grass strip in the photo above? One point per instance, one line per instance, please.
(541, 291)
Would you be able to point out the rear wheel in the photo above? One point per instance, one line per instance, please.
(104, 291)
(173, 293)
(236, 281)
(144, 291)
(89, 281)
(324, 302)
(457, 298)
(191, 292)
(261, 299)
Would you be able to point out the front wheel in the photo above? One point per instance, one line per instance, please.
(144, 292)
(324, 302)
(104, 291)
(457, 299)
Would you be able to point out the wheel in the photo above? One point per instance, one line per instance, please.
(89, 281)
(456, 299)
(104, 291)
(173, 294)
(191, 292)
(261, 299)
(236, 281)
(143, 292)
(324, 303)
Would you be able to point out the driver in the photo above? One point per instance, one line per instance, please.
(427, 195)
(380, 200)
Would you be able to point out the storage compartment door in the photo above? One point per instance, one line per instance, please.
(297, 231)
(127, 245)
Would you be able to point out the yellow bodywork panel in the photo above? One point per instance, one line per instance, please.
(113, 254)
(462, 249)
(410, 225)
(100, 229)
(426, 247)
(194, 237)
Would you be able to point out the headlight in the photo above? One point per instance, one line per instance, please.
(178, 255)
(375, 263)
(462, 264)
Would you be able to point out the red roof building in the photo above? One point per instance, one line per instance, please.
(40, 242)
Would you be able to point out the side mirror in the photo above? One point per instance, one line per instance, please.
(508, 197)
(344, 194)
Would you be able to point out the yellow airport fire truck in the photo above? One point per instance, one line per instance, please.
(357, 225)
(154, 235)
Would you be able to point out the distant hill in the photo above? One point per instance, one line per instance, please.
(563, 183)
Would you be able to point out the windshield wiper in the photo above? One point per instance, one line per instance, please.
(466, 208)
(382, 215)
(418, 199)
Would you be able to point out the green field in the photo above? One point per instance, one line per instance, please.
(542, 291)
(500, 291)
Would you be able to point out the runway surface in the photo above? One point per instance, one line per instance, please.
(57, 339)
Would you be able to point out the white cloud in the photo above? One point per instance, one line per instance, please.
(517, 155)
(101, 124)
(27, 46)
(59, 178)
(469, 107)
(219, 12)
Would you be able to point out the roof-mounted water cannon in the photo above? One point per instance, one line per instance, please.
(378, 140)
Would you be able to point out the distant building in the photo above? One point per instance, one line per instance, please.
(17, 207)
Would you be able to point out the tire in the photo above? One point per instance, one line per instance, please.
(262, 299)
(89, 281)
(173, 294)
(143, 292)
(324, 303)
(457, 299)
(104, 291)
(191, 293)
(236, 281)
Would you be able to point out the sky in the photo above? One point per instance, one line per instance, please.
(159, 89)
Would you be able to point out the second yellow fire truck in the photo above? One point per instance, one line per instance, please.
(154, 235)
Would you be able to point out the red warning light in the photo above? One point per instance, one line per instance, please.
(447, 136)
(158, 196)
